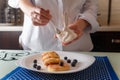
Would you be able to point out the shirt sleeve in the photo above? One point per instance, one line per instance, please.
(13, 3)
(89, 13)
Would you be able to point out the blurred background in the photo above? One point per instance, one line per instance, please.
(106, 39)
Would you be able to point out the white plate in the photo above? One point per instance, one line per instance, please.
(84, 61)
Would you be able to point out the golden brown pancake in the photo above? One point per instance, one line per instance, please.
(50, 57)
(57, 67)
(51, 61)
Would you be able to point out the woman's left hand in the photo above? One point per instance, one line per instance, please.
(78, 27)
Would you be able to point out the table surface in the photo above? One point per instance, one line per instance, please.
(8, 59)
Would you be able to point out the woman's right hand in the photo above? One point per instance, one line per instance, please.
(40, 16)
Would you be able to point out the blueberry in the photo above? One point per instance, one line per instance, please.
(65, 57)
(35, 65)
(38, 67)
(75, 60)
(73, 64)
(35, 61)
(68, 61)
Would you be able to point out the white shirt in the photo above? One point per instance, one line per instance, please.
(41, 38)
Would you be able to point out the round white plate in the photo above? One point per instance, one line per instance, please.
(84, 61)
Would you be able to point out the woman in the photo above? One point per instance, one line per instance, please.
(42, 15)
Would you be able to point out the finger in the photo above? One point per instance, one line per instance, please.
(36, 17)
(41, 21)
(35, 23)
(42, 18)
(46, 14)
(38, 22)
(44, 21)
(47, 11)
(43, 12)
(39, 10)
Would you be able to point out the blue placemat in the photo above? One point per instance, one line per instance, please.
(100, 70)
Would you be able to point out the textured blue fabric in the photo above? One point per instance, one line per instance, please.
(100, 70)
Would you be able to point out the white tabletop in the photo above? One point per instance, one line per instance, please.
(8, 66)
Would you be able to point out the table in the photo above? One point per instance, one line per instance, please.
(8, 59)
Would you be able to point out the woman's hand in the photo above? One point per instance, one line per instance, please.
(40, 16)
(78, 27)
